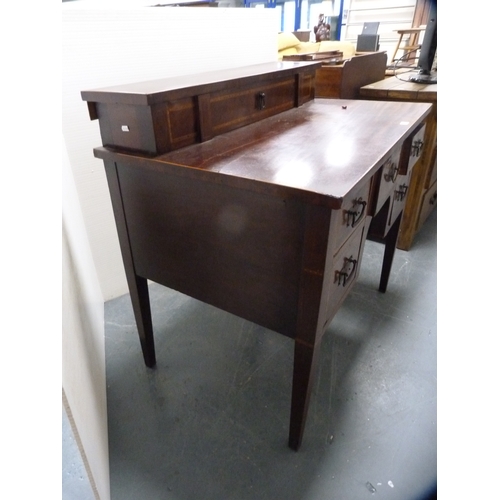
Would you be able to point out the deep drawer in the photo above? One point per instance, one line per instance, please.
(230, 110)
(385, 180)
(352, 213)
(345, 270)
(399, 197)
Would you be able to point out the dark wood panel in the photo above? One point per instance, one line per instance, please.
(343, 81)
(233, 109)
(307, 88)
(151, 92)
(237, 250)
(163, 115)
(181, 124)
(130, 127)
(344, 271)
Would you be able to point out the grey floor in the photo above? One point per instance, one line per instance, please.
(211, 421)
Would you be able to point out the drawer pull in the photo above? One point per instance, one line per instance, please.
(125, 128)
(416, 147)
(392, 174)
(401, 193)
(261, 100)
(347, 272)
(354, 216)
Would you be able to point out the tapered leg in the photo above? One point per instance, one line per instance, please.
(139, 295)
(304, 368)
(314, 273)
(390, 247)
(138, 286)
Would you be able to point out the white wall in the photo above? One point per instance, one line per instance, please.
(103, 46)
(107, 47)
(392, 15)
(83, 363)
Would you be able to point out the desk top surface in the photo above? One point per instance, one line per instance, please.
(318, 152)
(398, 87)
(153, 91)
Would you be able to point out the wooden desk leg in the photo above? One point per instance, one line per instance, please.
(139, 294)
(389, 250)
(304, 368)
(309, 327)
(137, 285)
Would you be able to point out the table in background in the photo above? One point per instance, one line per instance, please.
(422, 194)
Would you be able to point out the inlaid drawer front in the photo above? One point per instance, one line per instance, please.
(149, 129)
(180, 118)
(159, 116)
(307, 87)
(412, 150)
(345, 270)
(388, 176)
(352, 213)
(230, 110)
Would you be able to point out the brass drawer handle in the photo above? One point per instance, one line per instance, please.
(401, 193)
(392, 174)
(261, 100)
(416, 147)
(354, 216)
(345, 274)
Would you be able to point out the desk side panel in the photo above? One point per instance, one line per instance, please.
(362, 70)
(344, 81)
(235, 249)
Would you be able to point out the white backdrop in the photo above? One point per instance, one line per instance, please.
(104, 46)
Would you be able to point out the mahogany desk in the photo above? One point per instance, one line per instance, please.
(267, 221)
(422, 194)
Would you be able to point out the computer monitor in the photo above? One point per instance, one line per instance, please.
(370, 28)
(428, 50)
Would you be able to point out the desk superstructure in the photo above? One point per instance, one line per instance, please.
(266, 220)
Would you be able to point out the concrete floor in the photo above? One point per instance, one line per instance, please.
(210, 422)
